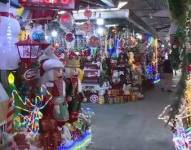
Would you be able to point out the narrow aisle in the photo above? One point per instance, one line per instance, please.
(132, 126)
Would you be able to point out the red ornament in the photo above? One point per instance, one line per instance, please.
(65, 18)
(189, 69)
(69, 37)
(88, 13)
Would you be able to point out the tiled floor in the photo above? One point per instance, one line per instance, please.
(133, 126)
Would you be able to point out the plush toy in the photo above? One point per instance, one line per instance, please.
(9, 31)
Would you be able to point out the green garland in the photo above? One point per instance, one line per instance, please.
(178, 10)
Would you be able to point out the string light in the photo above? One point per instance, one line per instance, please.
(32, 119)
(81, 143)
(11, 79)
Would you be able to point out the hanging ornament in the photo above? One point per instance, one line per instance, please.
(87, 27)
(94, 41)
(69, 37)
(65, 19)
(88, 13)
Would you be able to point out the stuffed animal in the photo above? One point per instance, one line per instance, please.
(9, 31)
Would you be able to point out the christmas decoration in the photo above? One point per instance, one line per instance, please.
(10, 29)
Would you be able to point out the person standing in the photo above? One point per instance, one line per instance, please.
(167, 76)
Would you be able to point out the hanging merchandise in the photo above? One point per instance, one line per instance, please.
(69, 37)
(37, 33)
(88, 13)
(66, 21)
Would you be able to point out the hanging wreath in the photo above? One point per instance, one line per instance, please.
(69, 37)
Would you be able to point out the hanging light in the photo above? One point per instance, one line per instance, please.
(100, 30)
(54, 33)
(100, 20)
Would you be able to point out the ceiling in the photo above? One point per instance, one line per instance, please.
(154, 13)
(149, 15)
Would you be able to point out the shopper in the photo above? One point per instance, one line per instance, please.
(167, 76)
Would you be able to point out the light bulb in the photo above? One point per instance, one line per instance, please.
(54, 33)
(100, 21)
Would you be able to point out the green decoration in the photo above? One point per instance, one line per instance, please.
(178, 10)
(175, 58)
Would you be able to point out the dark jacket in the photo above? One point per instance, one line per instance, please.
(167, 67)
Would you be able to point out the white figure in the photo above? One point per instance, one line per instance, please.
(9, 31)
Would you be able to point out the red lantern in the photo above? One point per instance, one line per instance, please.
(88, 13)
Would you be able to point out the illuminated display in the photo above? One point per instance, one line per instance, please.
(61, 4)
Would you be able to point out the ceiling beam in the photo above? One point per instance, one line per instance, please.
(109, 3)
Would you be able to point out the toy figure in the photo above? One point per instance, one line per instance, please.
(53, 79)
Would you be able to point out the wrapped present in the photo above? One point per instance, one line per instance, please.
(101, 99)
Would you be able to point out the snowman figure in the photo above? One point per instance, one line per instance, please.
(10, 29)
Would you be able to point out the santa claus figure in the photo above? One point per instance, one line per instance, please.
(52, 77)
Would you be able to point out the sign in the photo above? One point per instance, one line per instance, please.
(30, 74)
(49, 4)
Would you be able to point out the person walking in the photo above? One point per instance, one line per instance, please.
(167, 76)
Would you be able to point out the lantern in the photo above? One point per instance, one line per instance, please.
(29, 50)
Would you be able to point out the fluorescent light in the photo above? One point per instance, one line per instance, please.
(111, 25)
(121, 4)
(100, 21)
(139, 36)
